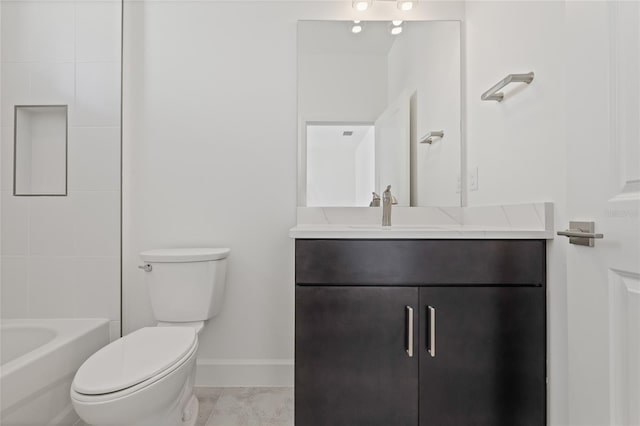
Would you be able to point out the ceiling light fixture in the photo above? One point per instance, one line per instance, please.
(361, 5)
(396, 30)
(406, 4)
(395, 27)
(356, 28)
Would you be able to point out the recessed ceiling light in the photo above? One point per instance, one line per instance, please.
(356, 29)
(396, 30)
(396, 23)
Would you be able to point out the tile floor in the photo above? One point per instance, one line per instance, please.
(245, 406)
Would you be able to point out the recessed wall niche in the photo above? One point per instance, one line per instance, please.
(40, 150)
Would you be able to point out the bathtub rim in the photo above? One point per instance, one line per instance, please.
(51, 361)
(67, 330)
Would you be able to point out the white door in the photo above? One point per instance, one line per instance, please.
(392, 150)
(603, 183)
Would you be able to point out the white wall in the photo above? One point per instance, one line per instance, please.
(425, 61)
(392, 145)
(342, 87)
(336, 87)
(210, 159)
(60, 255)
(22, 158)
(519, 145)
(340, 169)
(365, 168)
(331, 172)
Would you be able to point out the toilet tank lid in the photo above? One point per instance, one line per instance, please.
(184, 254)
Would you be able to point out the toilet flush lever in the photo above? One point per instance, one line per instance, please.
(146, 267)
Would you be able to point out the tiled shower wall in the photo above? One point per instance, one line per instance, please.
(61, 255)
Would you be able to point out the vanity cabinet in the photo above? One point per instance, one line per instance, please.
(488, 367)
(351, 368)
(420, 332)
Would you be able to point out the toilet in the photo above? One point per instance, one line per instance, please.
(146, 378)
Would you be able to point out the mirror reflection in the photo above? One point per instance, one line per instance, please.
(366, 100)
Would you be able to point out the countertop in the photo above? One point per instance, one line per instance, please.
(313, 231)
(517, 221)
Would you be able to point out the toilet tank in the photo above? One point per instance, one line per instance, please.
(185, 284)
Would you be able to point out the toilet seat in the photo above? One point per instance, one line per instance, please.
(134, 362)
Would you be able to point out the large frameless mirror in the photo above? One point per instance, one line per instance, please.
(379, 104)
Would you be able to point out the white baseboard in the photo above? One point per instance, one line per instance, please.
(245, 372)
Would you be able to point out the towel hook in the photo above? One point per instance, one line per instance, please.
(428, 138)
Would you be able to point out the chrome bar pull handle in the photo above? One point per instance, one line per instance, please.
(409, 331)
(431, 338)
(146, 267)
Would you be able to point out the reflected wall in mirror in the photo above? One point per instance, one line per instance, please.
(40, 150)
(364, 102)
(340, 166)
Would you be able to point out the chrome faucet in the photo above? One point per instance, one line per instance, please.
(387, 201)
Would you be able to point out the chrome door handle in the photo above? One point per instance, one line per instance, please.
(146, 267)
(409, 330)
(577, 233)
(431, 338)
(581, 233)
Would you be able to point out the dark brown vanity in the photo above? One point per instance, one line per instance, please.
(429, 332)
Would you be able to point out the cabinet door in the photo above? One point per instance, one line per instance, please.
(352, 366)
(488, 364)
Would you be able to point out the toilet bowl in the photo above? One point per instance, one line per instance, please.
(146, 378)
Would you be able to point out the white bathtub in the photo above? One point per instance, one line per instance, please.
(38, 361)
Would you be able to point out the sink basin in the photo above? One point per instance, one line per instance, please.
(399, 227)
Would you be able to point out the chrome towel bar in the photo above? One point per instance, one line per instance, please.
(428, 138)
(493, 94)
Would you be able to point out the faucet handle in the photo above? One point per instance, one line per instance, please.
(387, 201)
(375, 202)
